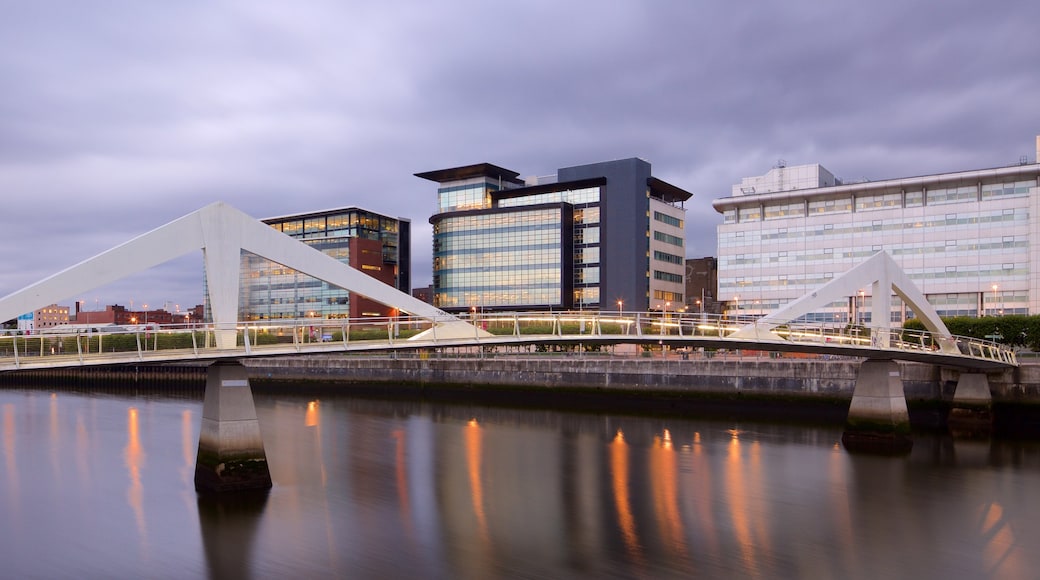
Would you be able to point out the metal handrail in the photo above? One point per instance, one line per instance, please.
(180, 341)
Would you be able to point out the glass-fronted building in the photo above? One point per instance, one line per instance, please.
(601, 236)
(970, 240)
(373, 243)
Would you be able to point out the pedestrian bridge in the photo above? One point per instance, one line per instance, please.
(224, 234)
(493, 331)
(231, 455)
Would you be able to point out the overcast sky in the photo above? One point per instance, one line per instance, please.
(119, 116)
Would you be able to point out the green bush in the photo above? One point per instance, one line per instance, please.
(1014, 330)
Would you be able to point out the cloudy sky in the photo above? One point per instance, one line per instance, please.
(119, 116)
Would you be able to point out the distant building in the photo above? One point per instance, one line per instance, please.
(601, 236)
(702, 282)
(119, 315)
(375, 244)
(967, 239)
(425, 294)
(50, 316)
(43, 318)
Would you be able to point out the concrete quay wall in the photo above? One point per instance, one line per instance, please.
(749, 378)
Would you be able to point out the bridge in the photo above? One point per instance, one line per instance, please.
(57, 348)
(230, 449)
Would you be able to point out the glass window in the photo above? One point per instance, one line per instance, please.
(1013, 189)
(783, 210)
(575, 196)
(750, 214)
(952, 195)
(292, 228)
(667, 219)
(668, 239)
(509, 260)
(874, 202)
(670, 258)
(831, 206)
(668, 277)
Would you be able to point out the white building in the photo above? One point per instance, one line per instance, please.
(970, 240)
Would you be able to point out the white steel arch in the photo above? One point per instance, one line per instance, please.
(884, 276)
(222, 233)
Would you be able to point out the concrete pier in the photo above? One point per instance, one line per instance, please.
(878, 420)
(972, 412)
(231, 451)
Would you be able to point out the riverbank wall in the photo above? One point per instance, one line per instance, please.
(757, 378)
(764, 378)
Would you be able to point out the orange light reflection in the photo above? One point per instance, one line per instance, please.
(134, 456)
(619, 479)
(664, 475)
(473, 463)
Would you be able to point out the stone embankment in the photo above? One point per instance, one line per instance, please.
(827, 382)
(764, 378)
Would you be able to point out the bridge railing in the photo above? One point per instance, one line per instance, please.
(256, 337)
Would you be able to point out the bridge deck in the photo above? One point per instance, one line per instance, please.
(56, 349)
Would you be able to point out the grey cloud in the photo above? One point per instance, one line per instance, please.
(119, 116)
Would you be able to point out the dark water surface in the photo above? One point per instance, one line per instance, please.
(101, 486)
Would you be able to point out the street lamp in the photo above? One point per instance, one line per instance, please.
(736, 305)
(859, 308)
(620, 303)
(994, 296)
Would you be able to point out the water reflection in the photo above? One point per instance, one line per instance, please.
(405, 488)
(134, 455)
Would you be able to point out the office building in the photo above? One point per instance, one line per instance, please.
(970, 240)
(601, 236)
(375, 244)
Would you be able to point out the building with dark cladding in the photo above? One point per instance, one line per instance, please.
(604, 236)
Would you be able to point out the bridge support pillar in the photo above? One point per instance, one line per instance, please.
(231, 451)
(972, 411)
(878, 420)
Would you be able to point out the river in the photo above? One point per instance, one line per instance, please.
(101, 486)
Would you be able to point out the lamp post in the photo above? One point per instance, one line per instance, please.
(859, 308)
(994, 297)
(736, 306)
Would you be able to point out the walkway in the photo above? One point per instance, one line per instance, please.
(680, 332)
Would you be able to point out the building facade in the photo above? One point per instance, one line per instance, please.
(601, 236)
(119, 315)
(702, 282)
(970, 240)
(375, 244)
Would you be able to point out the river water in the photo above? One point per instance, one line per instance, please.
(101, 486)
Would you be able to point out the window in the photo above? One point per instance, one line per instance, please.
(952, 195)
(668, 239)
(750, 214)
(668, 277)
(670, 258)
(1014, 189)
(670, 220)
(842, 205)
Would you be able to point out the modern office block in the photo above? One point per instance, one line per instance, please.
(601, 236)
(970, 240)
(376, 244)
